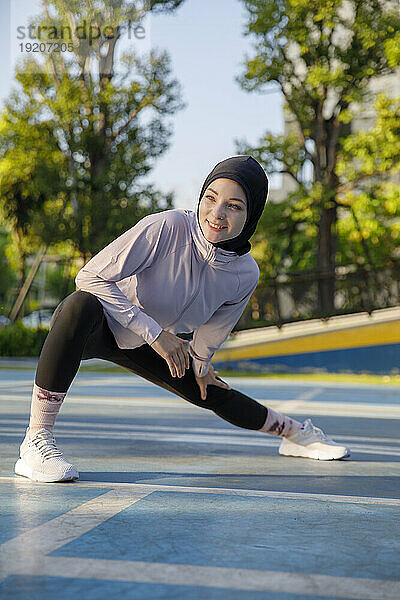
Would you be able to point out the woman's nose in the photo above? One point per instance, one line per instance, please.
(218, 212)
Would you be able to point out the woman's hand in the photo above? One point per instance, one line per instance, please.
(174, 350)
(210, 379)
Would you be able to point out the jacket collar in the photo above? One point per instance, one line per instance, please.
(205, 249)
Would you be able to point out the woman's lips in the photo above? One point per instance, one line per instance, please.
(215, 228)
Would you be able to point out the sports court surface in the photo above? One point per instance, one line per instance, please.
(174, 503)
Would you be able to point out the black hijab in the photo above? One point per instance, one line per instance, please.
(246, 171)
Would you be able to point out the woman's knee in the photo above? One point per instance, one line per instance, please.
(216, 397)
(77, 309)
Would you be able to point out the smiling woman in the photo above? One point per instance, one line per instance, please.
(173, 272)
(223, 210)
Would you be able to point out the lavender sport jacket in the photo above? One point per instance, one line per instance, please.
(163, 274)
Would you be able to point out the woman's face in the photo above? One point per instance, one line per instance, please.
(223, 210)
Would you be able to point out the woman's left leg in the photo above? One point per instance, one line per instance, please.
(231, 405)
(299, 439)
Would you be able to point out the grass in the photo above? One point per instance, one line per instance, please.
(334, 377)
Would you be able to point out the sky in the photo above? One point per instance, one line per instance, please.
(205, 41)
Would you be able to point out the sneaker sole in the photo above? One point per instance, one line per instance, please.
(23, 469)
(288, 448)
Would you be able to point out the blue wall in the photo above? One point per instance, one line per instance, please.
(382, 360)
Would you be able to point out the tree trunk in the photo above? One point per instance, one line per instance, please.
(326, 260)
(27, 283)
(22, 255)
(327, 146)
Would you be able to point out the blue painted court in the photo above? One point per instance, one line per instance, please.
(174, 503)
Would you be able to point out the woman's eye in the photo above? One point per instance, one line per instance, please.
(235, 206)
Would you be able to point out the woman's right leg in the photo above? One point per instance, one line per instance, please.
(75, 319)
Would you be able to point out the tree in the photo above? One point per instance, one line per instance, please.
(322, 55)
(77, 137)
(369, 169)
(7, 279)
(29, 172)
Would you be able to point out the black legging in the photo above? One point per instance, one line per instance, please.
(79, 330)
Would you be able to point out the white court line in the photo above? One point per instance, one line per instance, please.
(22, 555)
(27, 548)
(187, 438)
(141, 401)
(300, 400)
(356, 409)
(16, 385)
(334, 409)
(343, 409)
(83, 382)
(213, 577)
(148, 488)
(137, 427)
(97, 425)
(276, 383)
(266, 383)
(196, 439)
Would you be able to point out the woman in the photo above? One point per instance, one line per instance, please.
(173, 272)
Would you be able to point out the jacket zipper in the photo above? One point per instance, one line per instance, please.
(193, 298)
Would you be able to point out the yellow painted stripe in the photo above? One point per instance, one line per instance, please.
(355, 337)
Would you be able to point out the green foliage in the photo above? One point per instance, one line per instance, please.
(376, 239)
(286, 236)
(76, 137)
(17, 340)
(60, 280)
(368, 165)
(323, 55)
(374, 152)
(7, 279)
(392, 47)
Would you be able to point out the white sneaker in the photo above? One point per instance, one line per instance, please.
(41, 460)
(311, 442)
